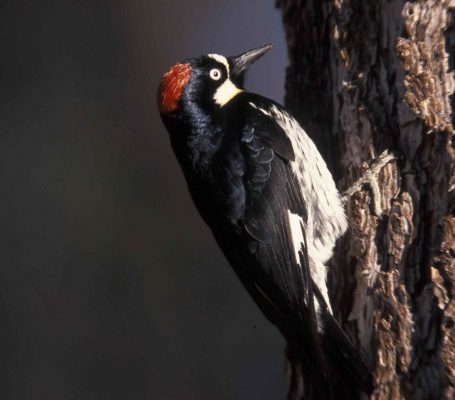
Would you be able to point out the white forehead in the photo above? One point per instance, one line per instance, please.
(220, 59)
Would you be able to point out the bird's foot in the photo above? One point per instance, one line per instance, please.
(370, 178)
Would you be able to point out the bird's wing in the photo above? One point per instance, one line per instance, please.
(275, 217)
(275, 214)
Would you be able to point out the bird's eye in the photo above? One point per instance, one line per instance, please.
(215, 74)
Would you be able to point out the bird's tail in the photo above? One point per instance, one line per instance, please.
(344, 375)
(339, 351)
(344, 357)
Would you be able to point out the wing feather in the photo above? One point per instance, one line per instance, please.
(268, 248)
(274, 216)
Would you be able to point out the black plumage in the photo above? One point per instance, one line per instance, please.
(237, 162)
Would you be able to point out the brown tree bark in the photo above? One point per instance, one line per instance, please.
(365, 76)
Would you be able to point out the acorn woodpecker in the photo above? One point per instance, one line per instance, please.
(263, 188)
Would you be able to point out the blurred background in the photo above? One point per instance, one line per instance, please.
(111, 287)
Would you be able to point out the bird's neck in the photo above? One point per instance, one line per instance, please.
(201, 138)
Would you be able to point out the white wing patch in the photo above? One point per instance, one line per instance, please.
(260, 109)
(296, 224)
(318, 274)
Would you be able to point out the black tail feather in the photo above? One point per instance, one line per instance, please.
(343, 355)
(340, 351)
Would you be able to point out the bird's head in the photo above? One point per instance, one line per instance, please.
(208, 81)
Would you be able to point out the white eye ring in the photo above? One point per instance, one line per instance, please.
(215, 74)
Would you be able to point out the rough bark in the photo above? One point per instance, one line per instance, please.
(365, 76)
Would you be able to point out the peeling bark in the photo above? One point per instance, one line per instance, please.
(365, 76)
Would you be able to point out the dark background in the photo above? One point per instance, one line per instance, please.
(111, 287)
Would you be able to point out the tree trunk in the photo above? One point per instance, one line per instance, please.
(365, 76)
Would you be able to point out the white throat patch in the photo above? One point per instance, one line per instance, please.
(226, 92)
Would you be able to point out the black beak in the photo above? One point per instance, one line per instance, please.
(242, 62)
